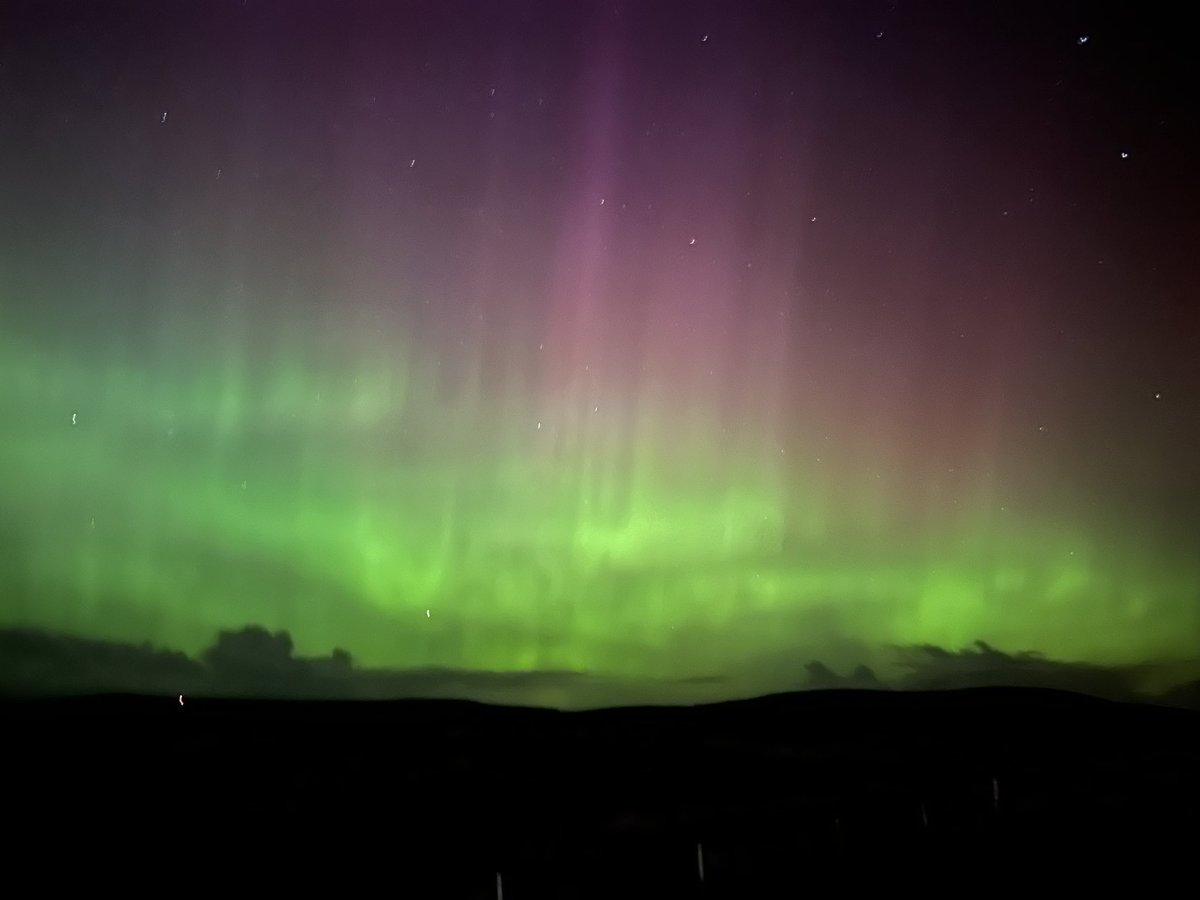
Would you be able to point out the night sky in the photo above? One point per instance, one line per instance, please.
(653, 341)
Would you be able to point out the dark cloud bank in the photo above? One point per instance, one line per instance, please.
(255, 662)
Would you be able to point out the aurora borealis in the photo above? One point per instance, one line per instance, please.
(648, 340)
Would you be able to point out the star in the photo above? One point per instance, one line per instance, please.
(692, 241)
(1081, 40)
(72, 418)
(1124, 154)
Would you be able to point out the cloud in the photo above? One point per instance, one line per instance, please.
(255, 662)
(1186, 696)
(247, 662)
(929, 667)
(253, 649)
(821, 677)
(35, 663)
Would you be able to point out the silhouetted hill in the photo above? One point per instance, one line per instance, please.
(771, 792)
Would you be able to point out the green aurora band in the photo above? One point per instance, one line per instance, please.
(203, 491)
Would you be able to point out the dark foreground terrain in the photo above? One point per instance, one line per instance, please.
(770, 797)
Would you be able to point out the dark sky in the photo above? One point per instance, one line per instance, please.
(629, 340)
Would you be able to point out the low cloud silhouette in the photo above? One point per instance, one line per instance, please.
(821, 677)
(36, 663)
(255, 662)
(1186, 696)
(929, 667)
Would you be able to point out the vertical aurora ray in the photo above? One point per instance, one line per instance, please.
(609, 368)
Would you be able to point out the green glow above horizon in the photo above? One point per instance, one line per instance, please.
(326, 491)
